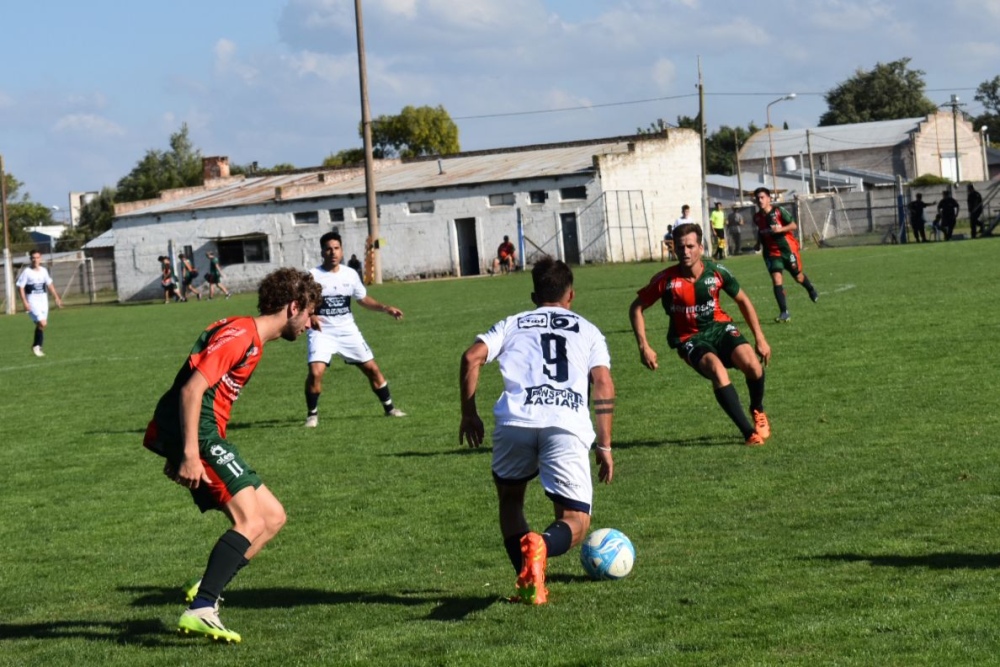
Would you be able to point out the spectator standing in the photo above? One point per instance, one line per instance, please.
(948, 208)
(917, 221)
(733, 224)
(717, 218)
(975, 201)
(214, 276)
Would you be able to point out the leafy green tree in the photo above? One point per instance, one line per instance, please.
(414, 132)
(178, 167)
(888, 92)
(95, 216)
(22, 212)
(988, 94)
(348, 157)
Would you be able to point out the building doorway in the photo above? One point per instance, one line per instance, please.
(570, 237)
(468, 247)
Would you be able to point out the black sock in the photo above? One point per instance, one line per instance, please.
(223, 563)
(756, 388)
(730, 402)
(383, 395)
(808, 285)
(39, 338)
(513, 546)
(779, 294)
(558, 538)
(312, 402)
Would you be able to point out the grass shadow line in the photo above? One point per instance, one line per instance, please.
(934, 561)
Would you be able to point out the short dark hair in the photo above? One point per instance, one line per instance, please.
(330, 236)
(284, 286)
(684, 229)
(551, 279)
(761, 189)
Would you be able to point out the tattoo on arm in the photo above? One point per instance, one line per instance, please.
(604, 406)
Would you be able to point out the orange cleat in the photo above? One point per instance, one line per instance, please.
(760, 422)
(755, 440)
(531, 580)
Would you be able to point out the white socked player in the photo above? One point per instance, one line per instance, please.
(34, 285)
(548, 357)
(334, 331)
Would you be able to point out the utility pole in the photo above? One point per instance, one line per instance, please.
(739, 171)
(812, 170)
(8, 269)
(366, 124)
(954, 104)
(702, 126)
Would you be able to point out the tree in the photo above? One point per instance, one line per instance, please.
(349, 157)
(96, 215)
(988, 94)
(888, 92)
(415, 131)
(22, 212)
(162, 170)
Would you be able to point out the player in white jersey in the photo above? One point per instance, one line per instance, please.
(335, 332)
(34, 283)
(549, 357)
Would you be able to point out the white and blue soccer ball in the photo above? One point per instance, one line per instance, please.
(607, 554)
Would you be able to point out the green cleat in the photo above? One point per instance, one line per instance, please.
(205, 621)
(190, 589)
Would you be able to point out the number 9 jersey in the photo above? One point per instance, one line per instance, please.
(545, 359)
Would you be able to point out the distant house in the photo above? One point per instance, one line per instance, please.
(602, 200)
(873, 154)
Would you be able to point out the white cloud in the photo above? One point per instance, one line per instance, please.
(88, 124)
(664, 73)
(226, 62)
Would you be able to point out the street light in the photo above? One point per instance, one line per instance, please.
(984, 139)
(770, 137)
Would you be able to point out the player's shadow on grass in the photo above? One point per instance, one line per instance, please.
(456, 451)
(149, 632)
(264, 423)
(699, 441)
(935, 561)
(446, 609)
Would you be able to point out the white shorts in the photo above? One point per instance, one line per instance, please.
(39, 311)
(560, 459)
(350, 345)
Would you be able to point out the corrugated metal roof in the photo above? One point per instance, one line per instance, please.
(830, 139)
(395, 176)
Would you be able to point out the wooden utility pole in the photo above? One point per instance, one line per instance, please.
(702, 127)
(8, 269)
(366, 124)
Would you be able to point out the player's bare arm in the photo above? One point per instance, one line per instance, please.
(750, 317)
(471, 427)
(191, 472)
(372, 304)
(647, 355)
(55, 295)
(603, 395)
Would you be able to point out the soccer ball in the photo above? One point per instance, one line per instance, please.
(607, 554)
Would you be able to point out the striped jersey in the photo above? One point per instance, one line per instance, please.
(692, 305)
(226, 354)
(782, 243)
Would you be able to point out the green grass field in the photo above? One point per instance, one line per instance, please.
(864, 533)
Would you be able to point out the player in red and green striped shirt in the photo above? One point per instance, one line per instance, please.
(705, 337)
(776, 231)
(189, 430)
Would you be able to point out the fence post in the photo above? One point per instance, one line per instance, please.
(871, 214)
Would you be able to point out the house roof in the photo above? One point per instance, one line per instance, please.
(830, 139)
(540, 161)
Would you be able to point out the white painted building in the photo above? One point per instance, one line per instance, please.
(604, 200)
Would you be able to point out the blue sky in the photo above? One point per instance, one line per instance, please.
(89, 87)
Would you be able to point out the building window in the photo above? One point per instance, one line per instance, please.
(502, 199)
(361, 212)
(307, 218)
(336, 215)
(420, 206)
(538, 196)
(574, 193)
(247, 250)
